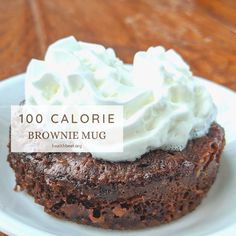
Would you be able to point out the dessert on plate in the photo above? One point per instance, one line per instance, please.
(172, 143)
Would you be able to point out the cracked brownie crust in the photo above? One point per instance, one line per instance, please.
(157, 188)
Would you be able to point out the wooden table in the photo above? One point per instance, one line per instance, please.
(202, 31)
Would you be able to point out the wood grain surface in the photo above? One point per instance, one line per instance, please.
(202, 31)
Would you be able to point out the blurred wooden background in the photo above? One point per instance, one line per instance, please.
(202, 31)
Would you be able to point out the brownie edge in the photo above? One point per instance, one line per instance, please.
(159, 187)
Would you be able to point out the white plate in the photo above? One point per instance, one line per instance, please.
(19, 215)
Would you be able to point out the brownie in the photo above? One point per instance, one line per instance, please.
(159, 187)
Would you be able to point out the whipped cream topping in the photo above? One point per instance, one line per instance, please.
(164, 104)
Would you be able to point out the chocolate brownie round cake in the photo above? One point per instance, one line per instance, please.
(157, 188)
(171, 143)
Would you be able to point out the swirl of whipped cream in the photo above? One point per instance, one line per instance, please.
(164, 104)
